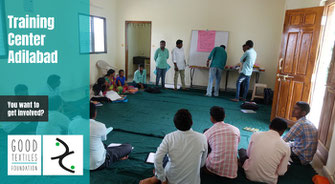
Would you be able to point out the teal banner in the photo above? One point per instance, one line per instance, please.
(44, 91)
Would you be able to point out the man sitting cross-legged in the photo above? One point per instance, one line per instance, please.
(223, 142)
(186, 151)
(303, 134)
(268, 155)
(102, 156)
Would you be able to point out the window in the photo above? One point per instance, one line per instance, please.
(3, 36)
(92, 30)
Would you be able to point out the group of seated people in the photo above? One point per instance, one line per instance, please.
(184, 153)
(116, 86)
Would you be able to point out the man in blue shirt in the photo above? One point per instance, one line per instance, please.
(219, 59)
(248, 60)
(303, 134)
(161, 57)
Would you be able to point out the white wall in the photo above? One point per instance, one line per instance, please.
(297, 4)
(107, 9)
(259, 20)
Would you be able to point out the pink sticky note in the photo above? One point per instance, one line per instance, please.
(206, 41)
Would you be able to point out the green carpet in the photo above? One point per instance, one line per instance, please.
(146, 118)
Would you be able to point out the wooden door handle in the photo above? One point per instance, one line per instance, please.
(280, 64)
(280, 75)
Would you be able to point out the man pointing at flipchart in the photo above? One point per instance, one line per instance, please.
(218, 56)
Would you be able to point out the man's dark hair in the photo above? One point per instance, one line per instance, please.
(183, 120)
(92, 110)
(223, 46)
(162, 41)
(101, 81)
(21, 89)
(110, 72)
(304, 106)
(217, 113)
(141, 66)
(53, 80)
(278, 124)
(55, 103)
(179, 42)
(250, 43)
(120, 71)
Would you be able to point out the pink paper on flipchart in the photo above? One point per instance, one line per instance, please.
(206, 41)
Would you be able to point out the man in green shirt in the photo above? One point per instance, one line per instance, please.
(140, 77)
(219, 59)
(161, 57)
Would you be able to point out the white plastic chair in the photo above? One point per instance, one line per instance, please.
(103, 66)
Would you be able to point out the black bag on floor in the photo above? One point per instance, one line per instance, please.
(268, 96)
(153, 90)
(249, 106)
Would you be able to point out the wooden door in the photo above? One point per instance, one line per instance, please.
(297, 61)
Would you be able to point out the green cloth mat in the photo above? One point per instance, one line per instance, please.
(146, 118)
(152, 114)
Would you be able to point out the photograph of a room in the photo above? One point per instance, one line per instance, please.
(215, 91)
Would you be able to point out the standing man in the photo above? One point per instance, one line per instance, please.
(161, 56)
(178, 59)
(248, 60)
(219, 59)
(303, 134)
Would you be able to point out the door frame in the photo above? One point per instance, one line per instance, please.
(127, 22)
(322, 152)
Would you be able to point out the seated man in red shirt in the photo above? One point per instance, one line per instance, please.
(223, 139)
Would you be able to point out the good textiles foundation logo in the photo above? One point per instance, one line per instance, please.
(62, 155)
(24, 155)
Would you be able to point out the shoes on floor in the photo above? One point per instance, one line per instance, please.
(234, 100)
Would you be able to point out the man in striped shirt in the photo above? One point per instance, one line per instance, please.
(303, 134)
(223, 139)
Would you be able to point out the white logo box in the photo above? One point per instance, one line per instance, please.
(54, 146)
(24, 154)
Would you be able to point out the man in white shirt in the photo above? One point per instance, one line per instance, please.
(178, 59)
(268, 154)
(102, 156)
(186, 151)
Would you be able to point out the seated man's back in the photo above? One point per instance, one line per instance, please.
(223, 139)
(187, 151)
(268, 157)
